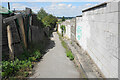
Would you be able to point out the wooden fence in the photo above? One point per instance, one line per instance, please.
(15, 33)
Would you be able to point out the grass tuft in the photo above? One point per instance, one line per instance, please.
(68, 52)
(70, 55)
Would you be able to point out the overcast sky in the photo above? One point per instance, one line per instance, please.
(68, 9)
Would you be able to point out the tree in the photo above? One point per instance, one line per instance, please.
(49, 20)
(63, 18)
(46, 21)
(63, 29)
(41, 14)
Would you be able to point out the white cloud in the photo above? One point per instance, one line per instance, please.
(53, 0)
(73, 7)
(88, 4)
(56, 8)
(61, 5)
(70, 5)
(20, 6)
(59, 9)
(63, 9)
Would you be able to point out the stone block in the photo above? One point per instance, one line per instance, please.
(114, 6)
(95, 18)
(104, 10)
(95, 11)
(118, 17)
(119, 6)
(100, 10)
(104, 17)
(108, 7)
(112, 17)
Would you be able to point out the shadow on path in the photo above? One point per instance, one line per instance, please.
(51, 44)
(55, 63)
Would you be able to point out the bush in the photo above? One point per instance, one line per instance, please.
(10, 68)
(37, 54)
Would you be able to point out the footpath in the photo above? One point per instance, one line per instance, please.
(55, 64)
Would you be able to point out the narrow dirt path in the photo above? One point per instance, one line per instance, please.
(55, 64)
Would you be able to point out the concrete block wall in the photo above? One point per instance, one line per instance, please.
(119, 38)
(97, 33)
(73, 29)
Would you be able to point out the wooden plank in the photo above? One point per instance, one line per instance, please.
(0, 30)
(7, 20)
(5, 49)
(22, 29)
(10, 41)
(4, 35)
(14, 31)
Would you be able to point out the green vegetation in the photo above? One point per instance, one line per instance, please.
(11, 68)
(70, 55)
(41, 14)
(21, 66)
(63, 29)
(68, 51)
(47, 19)
(63, 18)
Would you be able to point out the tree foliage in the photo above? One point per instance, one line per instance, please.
(63, 18)
(41, 14)
(63, 29)
(47, 19)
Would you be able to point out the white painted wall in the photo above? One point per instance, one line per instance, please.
(97, 33)
(67, 34)
(68, 31)
(59, 29)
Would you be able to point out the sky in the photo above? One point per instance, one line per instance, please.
(59, 9)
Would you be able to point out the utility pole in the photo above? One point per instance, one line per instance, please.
(9, 8)
(8, 5)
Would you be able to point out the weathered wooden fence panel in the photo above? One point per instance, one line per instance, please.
(22, 31)
(15, 33)
(5, 48)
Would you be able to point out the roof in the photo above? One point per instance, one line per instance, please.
(94, 7)
(3, 10)
(79, 16)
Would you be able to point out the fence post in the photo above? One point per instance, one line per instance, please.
(28, 24)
